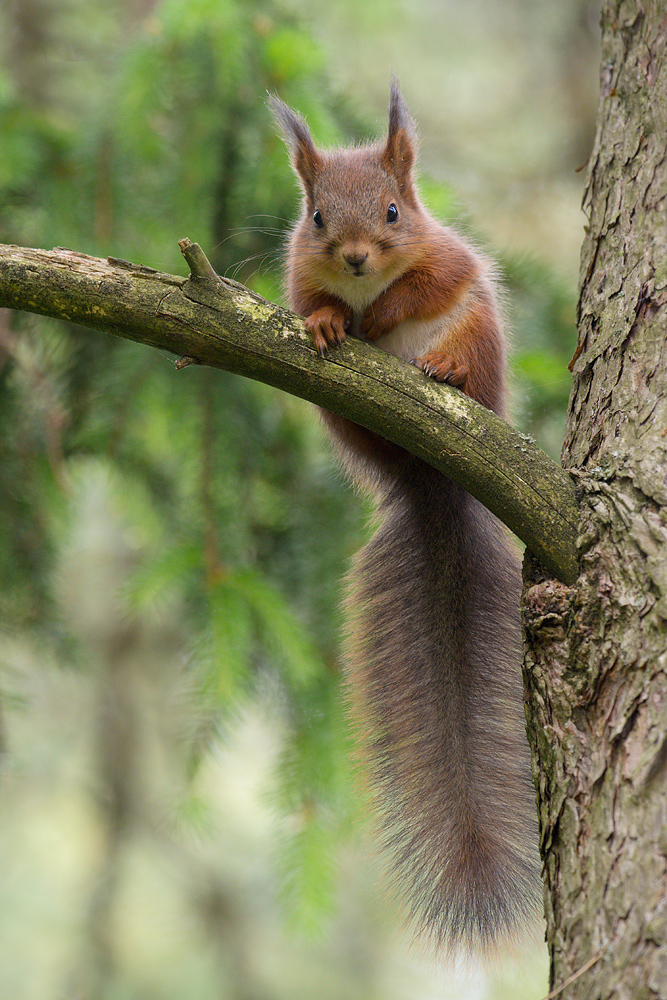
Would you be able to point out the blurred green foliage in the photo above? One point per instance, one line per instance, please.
(223, 483)
(123, 131)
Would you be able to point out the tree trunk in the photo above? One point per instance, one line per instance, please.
(596, 664)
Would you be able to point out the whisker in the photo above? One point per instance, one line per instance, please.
(273, 256)
(265, 215)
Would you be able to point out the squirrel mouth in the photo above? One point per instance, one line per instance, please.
(356, 270)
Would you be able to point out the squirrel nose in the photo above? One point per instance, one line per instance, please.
(355, 258)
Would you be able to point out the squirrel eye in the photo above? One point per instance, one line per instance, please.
(392, 213)
(317, 219)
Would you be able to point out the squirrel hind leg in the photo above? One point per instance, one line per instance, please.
(442, 368)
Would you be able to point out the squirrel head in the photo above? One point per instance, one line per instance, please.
(397, 153)
(361, 214)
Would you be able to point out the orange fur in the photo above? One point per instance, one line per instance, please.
(433, 597)
(379, 278)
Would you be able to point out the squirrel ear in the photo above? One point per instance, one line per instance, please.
(305, 158)
(400, 151)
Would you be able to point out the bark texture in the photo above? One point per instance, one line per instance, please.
(220, 323)
(597, 653)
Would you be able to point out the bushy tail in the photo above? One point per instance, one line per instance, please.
(436, 684)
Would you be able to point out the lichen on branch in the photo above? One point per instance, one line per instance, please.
(209, 320)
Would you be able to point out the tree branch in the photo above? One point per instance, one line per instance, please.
(213, 321)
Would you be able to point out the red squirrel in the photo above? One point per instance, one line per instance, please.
(433, 599)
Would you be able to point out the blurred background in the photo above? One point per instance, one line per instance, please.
(179, 814)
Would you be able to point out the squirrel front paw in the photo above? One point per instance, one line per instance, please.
(327, 327)
(374, 322)
(442, 368)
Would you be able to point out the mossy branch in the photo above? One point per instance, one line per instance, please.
(209, 320)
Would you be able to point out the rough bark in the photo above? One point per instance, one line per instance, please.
(222, 324)
(596, 662)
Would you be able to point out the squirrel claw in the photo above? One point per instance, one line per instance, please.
(327, 327)
(442, 368)
(320, 343)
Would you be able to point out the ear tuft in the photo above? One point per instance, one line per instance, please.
(400, 151)
(294, 130)
(399, 114)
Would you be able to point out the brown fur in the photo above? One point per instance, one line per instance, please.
(434, 649)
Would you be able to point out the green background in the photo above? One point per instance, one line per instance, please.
(180, 810)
